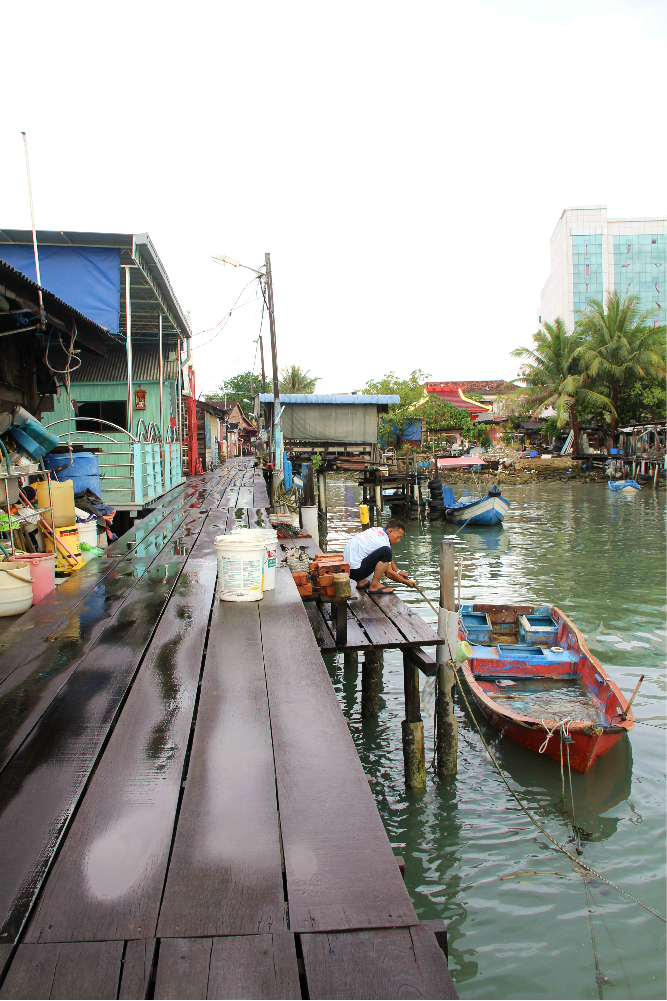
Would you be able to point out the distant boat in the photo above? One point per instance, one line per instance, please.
(532, 676)
(489, 510)
(624, 486)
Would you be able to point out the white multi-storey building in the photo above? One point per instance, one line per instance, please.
(591, 254)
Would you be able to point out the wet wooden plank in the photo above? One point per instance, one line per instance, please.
(137, 968)
(245, 497)
(73, 970)
(225, 875)
(28, 690)
(356, 637)
(260, 495)
(43, 782)
(248, 966)
(380, 963)
(406, 620)
(107, 881)
(375, 623)
(340, 868)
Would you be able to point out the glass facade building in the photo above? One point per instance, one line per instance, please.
(591, 254)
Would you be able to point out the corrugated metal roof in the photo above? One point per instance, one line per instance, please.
(354, 398)
(113, 368)
(48, 298)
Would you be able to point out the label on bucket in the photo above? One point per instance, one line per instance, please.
(240, 574)
(270, 557)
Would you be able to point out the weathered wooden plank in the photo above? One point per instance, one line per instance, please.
(231, 495)
(27, 692)
(320, 626)
(182, 968)
(225, 875)
(248, 966)
(107, 881)
(73, 970)
(380, 963)
(340, 869)
(375, 623)
(260, 495)
(245, 497)
(137, 968)
(44, 780)
(421, 660)
(409, 622)
(356, 637)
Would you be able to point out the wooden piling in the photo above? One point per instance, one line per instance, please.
(351, 659)
(414, 759)
(371, 680)
(308, 494)
(446, 742)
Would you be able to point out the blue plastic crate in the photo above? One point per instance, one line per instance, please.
(538, 630)
(477, 627)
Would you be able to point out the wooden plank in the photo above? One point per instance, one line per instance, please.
(318, 623)
(137, 967)
(378, 627)
(409, 622)
(381, 963)
(421, 660)
(43, 782)
(245, 497)
(73, 970)
(225, 875)
(356, 637)
(340, 868)
(107, 881)
(28, 690)
(260, 495)
(248, 966)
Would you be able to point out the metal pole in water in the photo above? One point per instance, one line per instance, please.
(446, 726)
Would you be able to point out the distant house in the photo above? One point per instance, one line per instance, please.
(221, 431)
(491, 392)
(341, 423)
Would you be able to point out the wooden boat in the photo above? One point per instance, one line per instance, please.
(489, 510)
(532, 676)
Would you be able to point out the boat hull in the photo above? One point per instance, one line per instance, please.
(487, 511)
(589, 739)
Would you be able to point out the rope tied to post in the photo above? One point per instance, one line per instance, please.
(563, 724)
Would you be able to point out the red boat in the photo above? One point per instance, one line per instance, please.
(533, 678)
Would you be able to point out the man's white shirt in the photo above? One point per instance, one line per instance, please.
(363, 545)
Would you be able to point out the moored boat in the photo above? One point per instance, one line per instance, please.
(532, 676)
(489, 510)
(624, 486)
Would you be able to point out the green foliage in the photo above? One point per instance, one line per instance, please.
(480, 434)
(238, 389)
(317, 461)
(294, 379)
(409, 390)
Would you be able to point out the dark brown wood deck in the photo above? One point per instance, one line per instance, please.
(182, 810)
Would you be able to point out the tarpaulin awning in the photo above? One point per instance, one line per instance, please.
(464, 462)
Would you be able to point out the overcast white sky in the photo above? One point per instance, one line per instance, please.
(405, 164)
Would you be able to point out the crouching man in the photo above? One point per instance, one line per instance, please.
(370, 557)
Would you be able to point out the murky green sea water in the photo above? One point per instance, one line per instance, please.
(521, 923)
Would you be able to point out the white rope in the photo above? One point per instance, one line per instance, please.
(563, 723)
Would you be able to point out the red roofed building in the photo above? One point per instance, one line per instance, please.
(454, 392)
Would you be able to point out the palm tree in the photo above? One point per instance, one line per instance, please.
(554, 375)
(618, 345)
(294, 380)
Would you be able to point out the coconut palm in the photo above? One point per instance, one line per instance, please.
(618, 345)
(294, 380)
(554, 375)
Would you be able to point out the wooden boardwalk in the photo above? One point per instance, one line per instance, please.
(182, 810)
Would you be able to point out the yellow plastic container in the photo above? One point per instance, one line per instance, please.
(62, 494)
(70, 536)
(363, 512)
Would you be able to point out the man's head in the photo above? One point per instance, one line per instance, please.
(395, 530)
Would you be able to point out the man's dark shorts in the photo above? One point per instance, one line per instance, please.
(369, 563)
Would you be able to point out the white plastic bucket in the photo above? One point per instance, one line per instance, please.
(309, 520)
(241, 559)
(15, 588)
(87, 534)
(270, 538)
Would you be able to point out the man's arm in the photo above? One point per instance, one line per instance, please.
(399, 576)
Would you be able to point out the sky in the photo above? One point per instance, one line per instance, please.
(404, 164)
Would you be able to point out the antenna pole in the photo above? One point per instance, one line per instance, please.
(34, 233)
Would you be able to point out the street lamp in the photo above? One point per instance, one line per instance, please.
(222, 259)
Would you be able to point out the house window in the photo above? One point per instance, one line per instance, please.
(114, 411)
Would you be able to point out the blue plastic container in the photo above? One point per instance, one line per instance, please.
(84, 473)
(540, 630)
(477, 627)
(613, 451)
(534, 455)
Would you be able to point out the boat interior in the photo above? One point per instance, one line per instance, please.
(528, 660)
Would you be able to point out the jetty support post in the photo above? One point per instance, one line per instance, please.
(414, 756)
(378, 497)
(322, 508)
(351, 659)
(371, 680)
(446, 742)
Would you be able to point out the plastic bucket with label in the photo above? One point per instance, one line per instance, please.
(270, 538)
(15, 588)
(241, 559)
(43, 570)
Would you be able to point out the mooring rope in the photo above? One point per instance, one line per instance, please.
(558, 845)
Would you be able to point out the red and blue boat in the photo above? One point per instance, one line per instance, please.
(532, 676)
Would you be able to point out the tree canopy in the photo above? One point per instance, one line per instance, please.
(237, 389)
(294, 379)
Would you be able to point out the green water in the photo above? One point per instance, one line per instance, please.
(521, 923)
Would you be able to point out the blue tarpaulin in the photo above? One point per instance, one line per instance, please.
(87, 278)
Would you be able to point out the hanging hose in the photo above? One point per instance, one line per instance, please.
(558, 845)
(6, 455)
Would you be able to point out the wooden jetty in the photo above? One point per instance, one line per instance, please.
(183, 813)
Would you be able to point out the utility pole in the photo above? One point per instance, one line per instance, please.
(274, 361)
(261, 354)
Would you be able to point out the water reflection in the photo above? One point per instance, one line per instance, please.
(517, 914)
